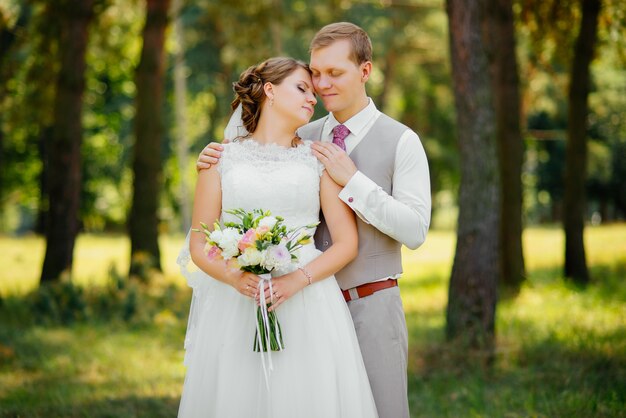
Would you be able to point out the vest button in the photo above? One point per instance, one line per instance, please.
(325, 243)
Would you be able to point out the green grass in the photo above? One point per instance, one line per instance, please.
(561, 350)
(94, 256)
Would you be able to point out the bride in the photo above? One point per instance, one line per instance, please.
(320, 372)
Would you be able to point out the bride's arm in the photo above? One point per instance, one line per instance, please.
(207, 208)
(342, 226)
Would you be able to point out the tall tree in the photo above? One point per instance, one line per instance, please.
(180, 107)
(576, 148)
(505, 79)
(472, 293)
(148, 126)
(64, 174)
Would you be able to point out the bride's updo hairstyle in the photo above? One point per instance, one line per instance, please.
(249, 88)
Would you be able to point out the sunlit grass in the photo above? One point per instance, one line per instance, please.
(94, 257)
(561, 350)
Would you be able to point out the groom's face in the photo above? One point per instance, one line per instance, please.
(338, 80)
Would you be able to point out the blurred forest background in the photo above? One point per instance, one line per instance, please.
(520, 105)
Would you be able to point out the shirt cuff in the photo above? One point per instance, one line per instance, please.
(355, 192)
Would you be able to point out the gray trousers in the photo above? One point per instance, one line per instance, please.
(381, 329)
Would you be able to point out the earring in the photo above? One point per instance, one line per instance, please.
(271, 101)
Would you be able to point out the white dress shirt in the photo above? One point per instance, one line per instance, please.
(405, 214)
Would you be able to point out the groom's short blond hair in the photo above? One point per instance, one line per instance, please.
(361, 43)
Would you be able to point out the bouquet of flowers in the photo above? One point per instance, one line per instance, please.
(259, 243)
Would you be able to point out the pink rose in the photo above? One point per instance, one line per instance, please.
(247, 240)
(213, 252)
(262, 230)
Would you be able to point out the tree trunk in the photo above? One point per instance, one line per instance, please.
(148, 126)
(45, 138)
(576, 148)
(472, 294)
(506, 97)
(180, 95)
(65, 161)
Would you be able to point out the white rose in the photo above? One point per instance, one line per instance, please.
(216, 236)
(229, 242)
(250, 257)
(268, 221)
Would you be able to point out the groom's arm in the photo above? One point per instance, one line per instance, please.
(405, 214)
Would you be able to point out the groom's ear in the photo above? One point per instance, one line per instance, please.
(366, 70)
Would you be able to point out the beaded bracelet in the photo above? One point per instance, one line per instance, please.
(307, 274)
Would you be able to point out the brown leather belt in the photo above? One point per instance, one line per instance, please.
(368, 289)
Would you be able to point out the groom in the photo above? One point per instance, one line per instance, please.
(383, 170)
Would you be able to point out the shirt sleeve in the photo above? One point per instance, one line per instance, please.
(405, 214)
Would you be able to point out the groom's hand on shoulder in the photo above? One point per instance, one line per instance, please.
(209, 156)
(338, 164)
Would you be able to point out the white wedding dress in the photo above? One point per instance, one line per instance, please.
(320, 373)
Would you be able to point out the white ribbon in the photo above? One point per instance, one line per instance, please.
(269, 367)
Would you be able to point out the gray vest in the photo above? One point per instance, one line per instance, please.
(379, 255)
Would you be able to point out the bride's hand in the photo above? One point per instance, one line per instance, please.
(284, 287)
(246, 284)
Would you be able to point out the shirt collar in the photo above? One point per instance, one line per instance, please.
(357, 122)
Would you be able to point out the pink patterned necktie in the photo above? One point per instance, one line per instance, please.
(340, 132)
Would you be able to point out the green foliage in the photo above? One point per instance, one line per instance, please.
(65, 303)
(113, 52)
(546, 33)
(410, 81)
(59, 303)
(27, 74)
(606, 164)
(217, 39)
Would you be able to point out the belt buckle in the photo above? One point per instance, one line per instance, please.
(354, 293)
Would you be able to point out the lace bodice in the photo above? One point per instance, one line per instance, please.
(285, 181)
